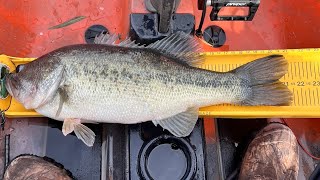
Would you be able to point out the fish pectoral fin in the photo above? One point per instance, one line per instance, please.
(63, 97)
(82, 132)
(180, 125)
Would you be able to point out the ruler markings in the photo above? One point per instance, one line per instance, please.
(310, 69)
(302, 98)
(291, 69)
(297, 97)
(314, 98)
(306, 70)
(295, 69)
(317, 96)
(314, 68)
(311, 99)
(294, 97)
(318, 69)
(300, 70)
(310, 103)
(307, 97)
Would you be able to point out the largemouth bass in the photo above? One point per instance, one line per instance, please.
(128, 84)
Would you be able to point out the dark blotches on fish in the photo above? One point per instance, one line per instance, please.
(114, 72)
(104, 73)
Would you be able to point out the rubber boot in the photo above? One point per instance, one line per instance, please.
(273, 154)
(37, 168)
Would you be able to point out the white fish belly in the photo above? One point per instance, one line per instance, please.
(123, 109)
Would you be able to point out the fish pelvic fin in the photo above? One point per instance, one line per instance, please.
(180, 125)
(263, 77)
(82, 132)
(179, 45)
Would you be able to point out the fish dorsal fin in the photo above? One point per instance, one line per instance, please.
(180, 45)
(110, 39)
(180, 125)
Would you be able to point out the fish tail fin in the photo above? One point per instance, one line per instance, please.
(263, 77)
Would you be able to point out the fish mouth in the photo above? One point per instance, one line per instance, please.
(10, 84)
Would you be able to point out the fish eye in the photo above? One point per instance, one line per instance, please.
(19, 68)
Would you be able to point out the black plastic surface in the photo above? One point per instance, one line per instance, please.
(316, 173)
(215, 36)
(178, 159)
(93, 31)
(144, 27)
(217, 5)
(83, 161)
(159, 149)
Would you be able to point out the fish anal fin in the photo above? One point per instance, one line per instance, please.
(180, 125)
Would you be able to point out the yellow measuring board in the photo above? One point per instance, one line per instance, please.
(303, 79)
